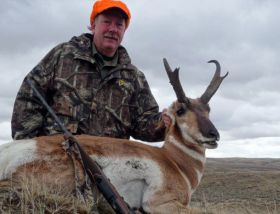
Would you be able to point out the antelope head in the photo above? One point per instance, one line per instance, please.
(191, 116)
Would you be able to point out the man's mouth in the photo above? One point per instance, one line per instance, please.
(111, 38)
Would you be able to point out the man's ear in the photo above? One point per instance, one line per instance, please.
(92, 27)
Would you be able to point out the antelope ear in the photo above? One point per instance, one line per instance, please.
(162, 122)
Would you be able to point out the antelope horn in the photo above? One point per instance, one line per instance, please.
(214, 84)
(175, 82)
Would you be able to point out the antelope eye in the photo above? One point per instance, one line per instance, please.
(181, 111)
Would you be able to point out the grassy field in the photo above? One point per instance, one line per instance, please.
(228, 186)
(237, 185)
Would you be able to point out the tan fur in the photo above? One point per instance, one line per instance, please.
(179, 169)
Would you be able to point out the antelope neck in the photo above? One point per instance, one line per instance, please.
(189, 160)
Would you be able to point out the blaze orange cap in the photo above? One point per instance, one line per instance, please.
(102, 5)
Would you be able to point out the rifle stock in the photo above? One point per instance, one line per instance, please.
(104, 185)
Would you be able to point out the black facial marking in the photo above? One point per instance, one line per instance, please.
(181, 111)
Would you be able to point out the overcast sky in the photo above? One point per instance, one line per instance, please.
(242, 35)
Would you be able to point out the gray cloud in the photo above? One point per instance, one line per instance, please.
(242, 35)
(33, 23)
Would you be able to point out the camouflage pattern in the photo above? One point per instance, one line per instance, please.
(118, 105)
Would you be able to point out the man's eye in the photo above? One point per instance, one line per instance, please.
(181, 111)
(106, 21)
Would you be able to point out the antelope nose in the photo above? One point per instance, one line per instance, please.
(214, 134)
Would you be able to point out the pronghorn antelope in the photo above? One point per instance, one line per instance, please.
(157, 180)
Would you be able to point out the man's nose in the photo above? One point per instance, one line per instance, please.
(113, 27)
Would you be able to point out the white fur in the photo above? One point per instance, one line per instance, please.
(137, 179)
(199, 175)
(184, 128)
(195, 155)
(15, 154)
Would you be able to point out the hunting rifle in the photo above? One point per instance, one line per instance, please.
(93, 170)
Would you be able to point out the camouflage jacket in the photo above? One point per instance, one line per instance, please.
(118, 105)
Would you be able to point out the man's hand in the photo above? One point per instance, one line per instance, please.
(165, 118)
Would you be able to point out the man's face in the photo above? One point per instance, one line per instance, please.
(108, 30)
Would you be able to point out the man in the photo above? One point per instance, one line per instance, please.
(91, 85)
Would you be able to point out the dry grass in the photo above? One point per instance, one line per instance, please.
(229, 186)
(241, 186)
(35, 197)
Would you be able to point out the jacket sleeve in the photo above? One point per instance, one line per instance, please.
(147, 124)
(28, 113)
